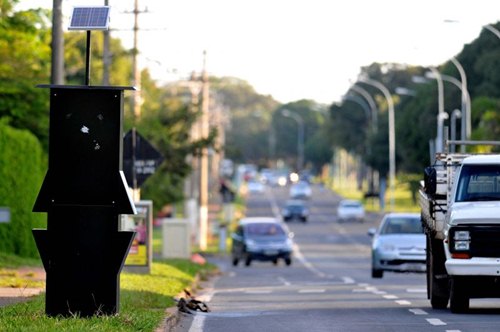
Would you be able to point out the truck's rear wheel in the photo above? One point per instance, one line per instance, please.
(437, 281)
(459, 300)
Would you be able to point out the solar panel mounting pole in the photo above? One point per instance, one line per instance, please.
(87, 60)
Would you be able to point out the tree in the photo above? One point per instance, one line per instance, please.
(249, 128)
(24, 62)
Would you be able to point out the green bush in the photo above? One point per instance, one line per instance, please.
(21, 174)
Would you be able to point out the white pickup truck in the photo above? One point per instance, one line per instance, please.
(460, 202)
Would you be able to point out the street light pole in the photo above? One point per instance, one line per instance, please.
(392, 135)
(456, 114)
(300, 136)
(371, 102)
(466, 112)
(439, 137)
(455, 82)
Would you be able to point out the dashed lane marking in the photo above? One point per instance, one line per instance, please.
(435, 321)
(258, 292)
(418, 311)
(403, 302)
(391, 297)
(311, 291)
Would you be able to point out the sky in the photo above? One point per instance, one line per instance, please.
(292, 49)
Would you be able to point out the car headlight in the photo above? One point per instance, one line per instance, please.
(461, 240)
(251, 244)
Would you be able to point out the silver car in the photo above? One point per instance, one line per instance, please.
(398, 244)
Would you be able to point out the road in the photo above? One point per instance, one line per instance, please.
(328, 287)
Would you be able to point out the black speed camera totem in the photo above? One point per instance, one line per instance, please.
(84, 193)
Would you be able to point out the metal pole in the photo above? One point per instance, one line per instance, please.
(87, 60)
(439, 134)
(57, 44)
(136, 99)
(371, 102)
(204, 159)
(300, 136)
(456, 114)
(392, 136)
(106, 57)
(466, 110)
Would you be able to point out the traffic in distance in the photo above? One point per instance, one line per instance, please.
(324, 274)
(454, 238)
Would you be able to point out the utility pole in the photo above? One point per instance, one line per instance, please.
(204, 156)
(106, 54)
(136, 81)
(57, 45)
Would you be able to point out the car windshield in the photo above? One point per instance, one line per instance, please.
(351, 205)
(402, 225)
(264, 229)
(479, 183)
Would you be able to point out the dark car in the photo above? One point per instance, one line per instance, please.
(295, 209)
(262, 239)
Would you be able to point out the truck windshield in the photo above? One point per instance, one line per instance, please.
(479, 183)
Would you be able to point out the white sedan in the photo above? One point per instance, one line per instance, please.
(350, 210)
(398, 244)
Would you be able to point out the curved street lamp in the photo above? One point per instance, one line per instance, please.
(458, 84)
(371, 102)
(439, 79)
(466, 110)
(300, 136)
(392, 135)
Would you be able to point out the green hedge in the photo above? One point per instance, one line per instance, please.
(22, 169)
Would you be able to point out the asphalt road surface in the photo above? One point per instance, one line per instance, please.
(328, 287)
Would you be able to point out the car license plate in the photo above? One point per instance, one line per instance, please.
(415, 267)
(270, 252)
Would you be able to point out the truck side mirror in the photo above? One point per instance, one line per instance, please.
(430, 180)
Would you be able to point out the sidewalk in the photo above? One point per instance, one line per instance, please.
(15, 294)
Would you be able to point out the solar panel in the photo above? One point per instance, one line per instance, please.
(90, 18)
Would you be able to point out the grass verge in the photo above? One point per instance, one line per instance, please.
(143, 300)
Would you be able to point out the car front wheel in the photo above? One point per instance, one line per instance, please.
(377, 274)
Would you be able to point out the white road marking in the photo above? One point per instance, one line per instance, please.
(258, 292)
(403, 302)
(197, 323)
(416, 290)
(418, 311)
(435, 321)
(348, 280)
(390, 297)
(284, 281)
(306, 291)
(360, 290)
(380, 292)
(307, 264)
